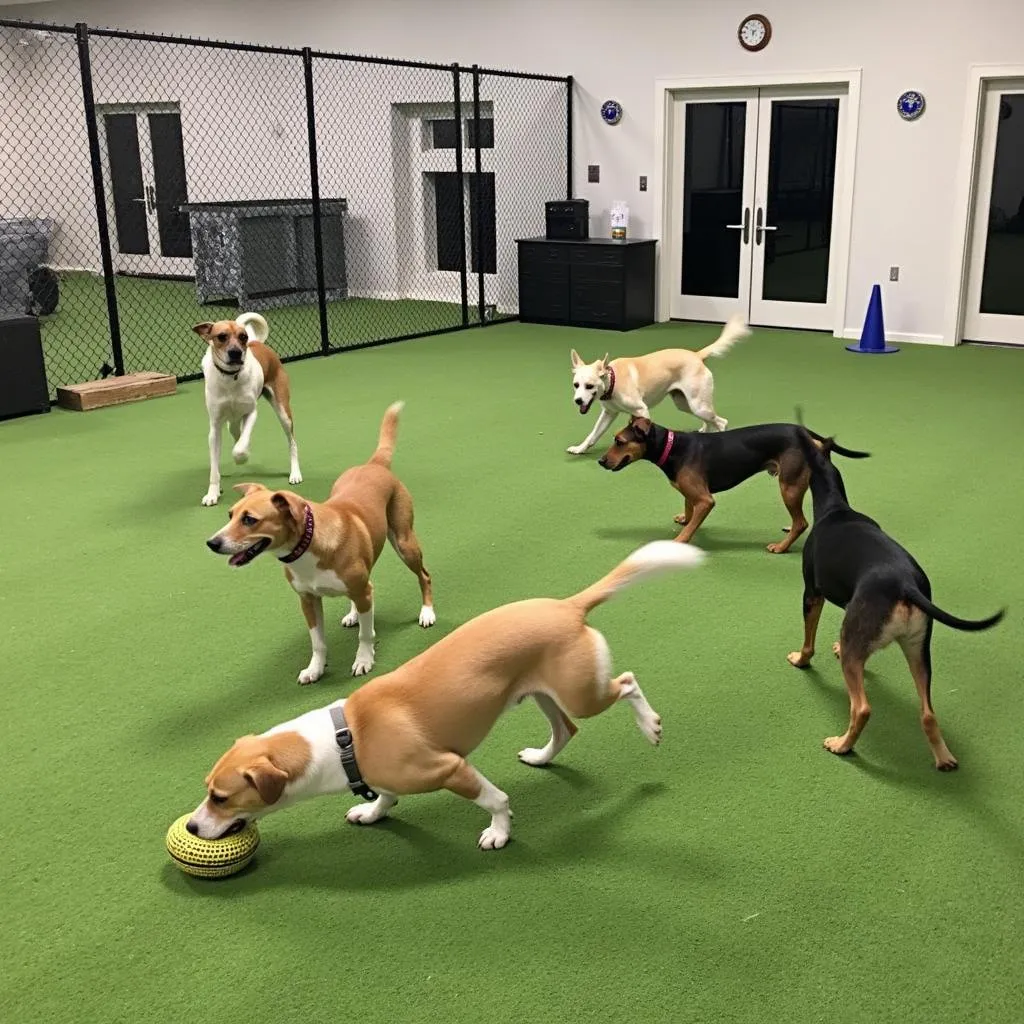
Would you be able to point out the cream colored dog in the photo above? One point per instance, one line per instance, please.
(411, 730)
(636, 384)
(329, 549)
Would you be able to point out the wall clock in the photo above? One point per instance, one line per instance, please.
(910, 105)
(755, 32)
(611, 112)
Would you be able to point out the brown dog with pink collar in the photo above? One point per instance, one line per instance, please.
(699, 465)
(329, 549)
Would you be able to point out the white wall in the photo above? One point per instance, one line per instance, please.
(905, 172)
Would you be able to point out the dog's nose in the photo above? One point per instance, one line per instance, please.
(579, 401)
(214, 544)
(191, 827)
(601, 462)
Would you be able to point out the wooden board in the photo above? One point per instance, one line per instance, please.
(132, 387)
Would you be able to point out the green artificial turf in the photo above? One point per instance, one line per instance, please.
(738, 873)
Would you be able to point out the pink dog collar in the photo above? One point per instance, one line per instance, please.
(669, 441)
(307, 538)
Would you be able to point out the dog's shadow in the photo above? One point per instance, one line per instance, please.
(397, 854)
(715, 540)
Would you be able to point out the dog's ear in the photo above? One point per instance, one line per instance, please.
(641, 426)
(602, 364)
(574, 357)
(267, 779)
(203, 330)
(248, 488)
(288, 504)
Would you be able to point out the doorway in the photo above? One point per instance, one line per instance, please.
(753, 204)
(143, 157)
(994, 300)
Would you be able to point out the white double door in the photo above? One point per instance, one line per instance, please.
(754, 189)
(995, 278)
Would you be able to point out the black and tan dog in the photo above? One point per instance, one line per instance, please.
(849, 561)
(699, 465)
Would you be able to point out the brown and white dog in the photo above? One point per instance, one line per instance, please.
(412, 729)
(330, 549)
(636, 384)
(238, 367)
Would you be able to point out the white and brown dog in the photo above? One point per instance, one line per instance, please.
(411, 730)
(238, 367)
(636, 384)
(329, 549)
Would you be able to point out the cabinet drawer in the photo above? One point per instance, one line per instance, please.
(593, 275)
(597, 255)
(538, 254)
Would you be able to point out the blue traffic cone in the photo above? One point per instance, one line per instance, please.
(872, 338)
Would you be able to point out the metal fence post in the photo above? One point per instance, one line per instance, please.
(463, 270)
(102, 227)
(568, 137)
(477, 220)
(314, 189)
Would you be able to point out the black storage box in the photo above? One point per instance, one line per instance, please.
(567, 219)
(23, 385)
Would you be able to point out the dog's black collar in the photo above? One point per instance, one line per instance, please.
(346, 750)
(611, 384)
(304, 541)
(228, 373)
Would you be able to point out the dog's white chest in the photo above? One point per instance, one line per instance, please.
(309, 578)
(233, 396)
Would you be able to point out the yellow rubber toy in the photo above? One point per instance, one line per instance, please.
(211, 858)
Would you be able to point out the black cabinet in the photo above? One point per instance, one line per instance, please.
(596, 282)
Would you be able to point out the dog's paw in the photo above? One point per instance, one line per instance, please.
(536, 757)
(364, 660)
(576, 449)
(650, 726)
(310, 674)
(240, 455)
(365, 814)
(493, 838)
(837, 649)
(427, 616)
(212, 496)
(947, 763)
(777, 549)
(680, 519)
(351, 620)
(295, 478)
(837, 745)
(797, 659)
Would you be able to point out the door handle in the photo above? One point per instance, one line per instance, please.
(150, 198)
(760, 226)
(744, 227)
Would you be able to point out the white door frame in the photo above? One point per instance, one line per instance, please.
(979, 77)
(664, 169)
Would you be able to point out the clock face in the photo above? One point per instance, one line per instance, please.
(755, 32)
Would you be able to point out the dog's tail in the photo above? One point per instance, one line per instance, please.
(735, 330)
(257, 327)
(828, 445)
(915, 597)
(388, 436)
(654, 558)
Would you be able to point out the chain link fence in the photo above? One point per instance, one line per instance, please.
(149, 183)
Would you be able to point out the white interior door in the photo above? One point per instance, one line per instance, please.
(754, 205)
(995, 282)
(142, 154)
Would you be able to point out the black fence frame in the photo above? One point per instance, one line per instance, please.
(83, 33)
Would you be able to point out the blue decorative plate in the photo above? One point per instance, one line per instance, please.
(611, 112)
(910, 105)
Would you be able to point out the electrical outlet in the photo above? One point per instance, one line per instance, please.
(643, 182)
(894, 273)
(593, 173)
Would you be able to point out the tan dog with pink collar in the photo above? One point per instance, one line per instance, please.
(330, 549)
(411, 730)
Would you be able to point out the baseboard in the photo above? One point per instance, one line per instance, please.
(900, 337)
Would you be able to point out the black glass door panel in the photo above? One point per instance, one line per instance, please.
(801, 186)
(126, 183)
(713, 158)
(1002, 281)
(169, 184)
